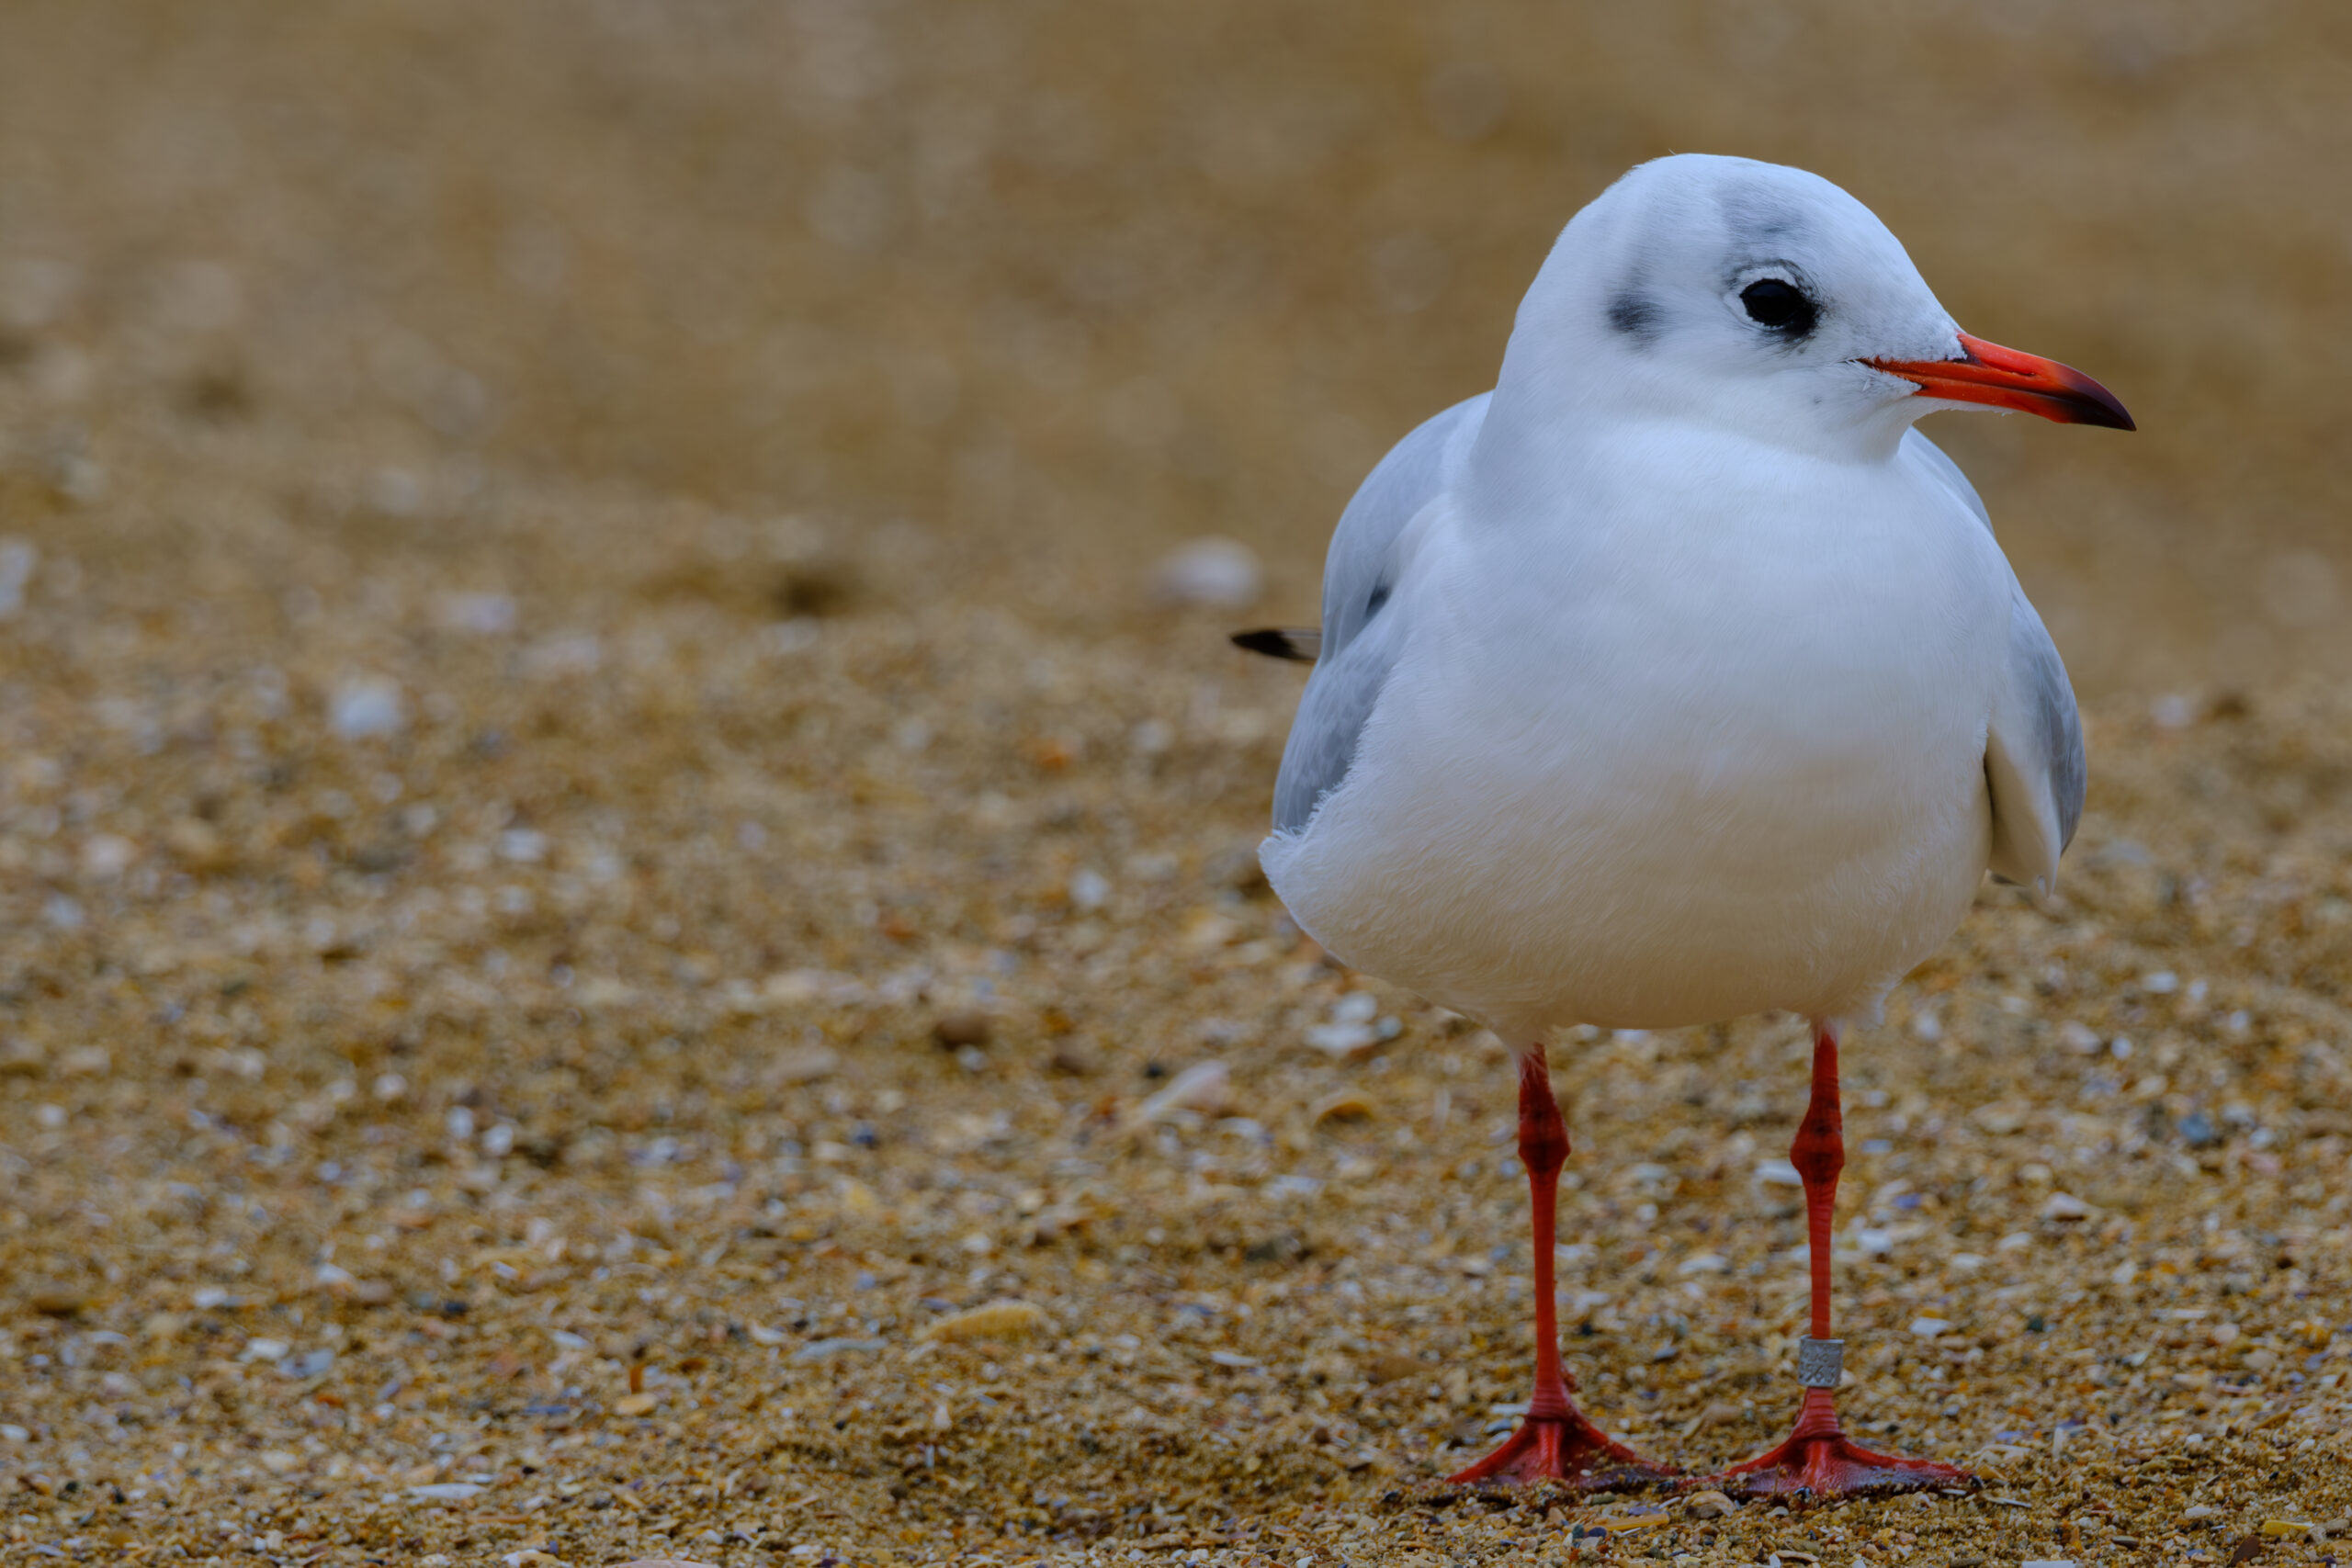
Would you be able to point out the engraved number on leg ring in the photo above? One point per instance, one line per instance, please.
(1820, 1362)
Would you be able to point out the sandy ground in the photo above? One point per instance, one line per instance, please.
(561, 922)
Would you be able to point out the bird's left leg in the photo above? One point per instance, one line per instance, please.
(1818, 1460)
(1556, 1443)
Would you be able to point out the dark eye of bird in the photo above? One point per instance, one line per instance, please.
(1778, 305)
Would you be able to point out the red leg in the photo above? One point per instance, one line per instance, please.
(1556, 1442)
(1818, 1460)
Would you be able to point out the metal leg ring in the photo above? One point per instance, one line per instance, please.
(1820, 1362)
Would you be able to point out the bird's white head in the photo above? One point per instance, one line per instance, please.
(1765, 299)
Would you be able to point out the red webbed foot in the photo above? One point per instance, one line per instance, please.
(1819, 1461)
(1568, 1451)
(1556, 1442)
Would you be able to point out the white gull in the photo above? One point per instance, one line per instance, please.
(1679, 678)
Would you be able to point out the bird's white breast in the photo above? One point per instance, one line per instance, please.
(1708, 744)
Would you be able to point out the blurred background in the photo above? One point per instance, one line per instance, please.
(1064, 284)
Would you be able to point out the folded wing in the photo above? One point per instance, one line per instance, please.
(2034, 756)
(1358, 642)
(2033, 749)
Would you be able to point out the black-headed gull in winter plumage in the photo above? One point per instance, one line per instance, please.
(1679, 678)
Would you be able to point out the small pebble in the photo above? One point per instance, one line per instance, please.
(1089, 890)
(2000, 1120)
(85, 1061)
(483, 615)
(957, 1029)
(995, 1320)
(56, 1301)
(804, 1064)
(1343, 1105)
(1206, 931)
(198, 844)
(1347, 1041)
(1204, 1089)
(826, 1349)
(370, 708)
(17, 561)
(1218, 574)
(1714, 1416)
(308, 1364)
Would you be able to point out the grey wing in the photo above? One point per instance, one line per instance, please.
(2033, 749)
(1331, 716)
(1359, 575)
(2033, 755)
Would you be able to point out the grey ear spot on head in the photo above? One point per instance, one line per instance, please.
(1636, 314)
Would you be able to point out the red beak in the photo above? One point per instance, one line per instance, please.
(2008, 380)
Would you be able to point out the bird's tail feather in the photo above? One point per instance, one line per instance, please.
(1302, 643)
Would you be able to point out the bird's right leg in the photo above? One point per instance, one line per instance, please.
(1556, 1442)
(1818, 1460)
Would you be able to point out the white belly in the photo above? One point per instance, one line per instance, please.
(1602, 818)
